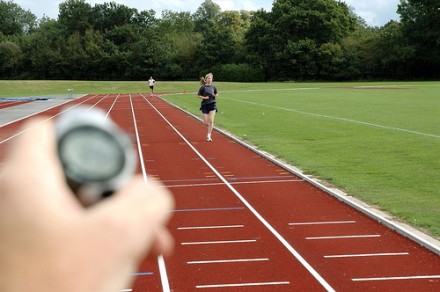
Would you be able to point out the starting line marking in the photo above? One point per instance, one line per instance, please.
(343, 236)
(219, 242)
(366, 255)
(323, 222)
(210, 227)
(395, 278)
(242, 285)
(227, 261)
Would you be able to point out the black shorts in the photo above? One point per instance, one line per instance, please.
(151, 87)
(207, 108)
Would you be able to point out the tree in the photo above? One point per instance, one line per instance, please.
(14, 20)
(237, 22)
(108, 15)
(44, 59)
(421, 26)
(75, 16)
(10, 56)
(320, 20)
(177, 31)
(393, 53)
(260, 43)
(289, 38)
(207, 12)
(216, 47)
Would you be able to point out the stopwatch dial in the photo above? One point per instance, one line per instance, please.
(89, 154)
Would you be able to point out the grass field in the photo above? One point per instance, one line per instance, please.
(379, 142)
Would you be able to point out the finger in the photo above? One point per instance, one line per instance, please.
(33, 168)
(134, 214)
(163, 244)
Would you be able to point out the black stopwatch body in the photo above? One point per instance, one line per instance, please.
(96, 155)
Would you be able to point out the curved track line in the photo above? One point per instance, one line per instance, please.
(286, 244)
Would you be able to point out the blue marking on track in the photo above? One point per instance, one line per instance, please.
(143, 274)
(23, 98)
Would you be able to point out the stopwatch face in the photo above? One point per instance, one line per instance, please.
(89, 154)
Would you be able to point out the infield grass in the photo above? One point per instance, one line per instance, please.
(379, 142)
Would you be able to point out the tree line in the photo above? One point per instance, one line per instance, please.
(296, 40)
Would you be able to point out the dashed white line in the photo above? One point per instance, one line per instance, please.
(242, 285)
(323, 222)
(396, 278)
(342, 237)
(367, 255)
(227, 261)
(219, 242)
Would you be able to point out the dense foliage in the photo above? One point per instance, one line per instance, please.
(296, 40)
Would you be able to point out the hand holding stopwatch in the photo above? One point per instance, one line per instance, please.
(96, 155)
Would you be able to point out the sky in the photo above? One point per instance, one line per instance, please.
(374, 12)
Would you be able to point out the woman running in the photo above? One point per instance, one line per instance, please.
(207, 93)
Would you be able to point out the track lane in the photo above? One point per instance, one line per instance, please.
(217, 202)
(301, 203)
(208, 213)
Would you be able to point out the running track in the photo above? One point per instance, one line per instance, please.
(243, 223)
(11, 103)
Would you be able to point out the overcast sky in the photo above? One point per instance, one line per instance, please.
(375, 12)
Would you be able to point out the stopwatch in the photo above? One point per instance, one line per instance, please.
(97, 156)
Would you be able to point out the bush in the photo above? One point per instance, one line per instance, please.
(239, 73)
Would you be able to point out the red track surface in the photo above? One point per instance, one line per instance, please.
(5, 104)
(242, 223)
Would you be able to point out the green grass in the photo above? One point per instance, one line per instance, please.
(38, 88)
(381, 145)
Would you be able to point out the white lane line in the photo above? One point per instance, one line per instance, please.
(382, 86)
(163, 274)
(396, 278)
(138, 141)
(112, 106)
(283, 241)
(366, 255)
(161, 262)
(321, 223)
(228, 261)
(343, 237)
(219, 242)
(210, 227)
(241, 285)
